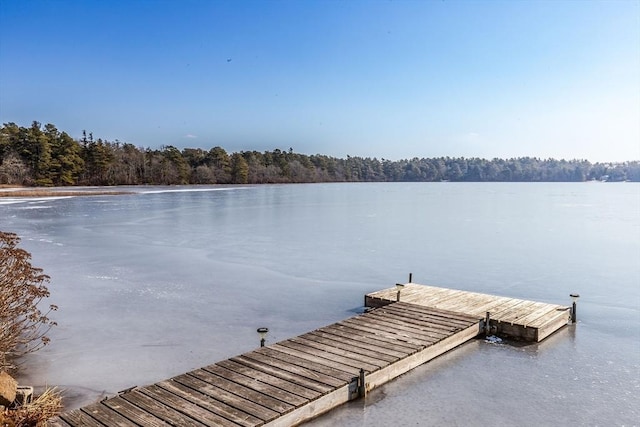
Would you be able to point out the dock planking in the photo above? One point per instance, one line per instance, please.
(291, 381)
(512, 317)
(295, 380)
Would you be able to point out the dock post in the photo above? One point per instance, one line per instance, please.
(574, 316)
(399, 287)
(487, 328)
(410, 277)
(362, 388)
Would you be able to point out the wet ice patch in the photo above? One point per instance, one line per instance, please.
(493, 339)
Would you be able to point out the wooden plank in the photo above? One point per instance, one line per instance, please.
(326, 342)
(438, 321)
(286, 355)
(514, 313)
(133, 412)
(394, 328)
(463, 303)
(402, 319)
(387, 324)
(426, 291)
(365, 340)
(480, 310)
(240, 390)
(329, 358)
(284, 374)
(269, 379)
(399, 336)
(503, 306)
(58, 422)
(160, 410)
(559, 311)
(551, 313)
(370, 335)
(240, 403)
(185, 406)
(435, 296)
(543, 310)
(106, 415)
(419, 319)
(474, 303)
(449, 299)
(408, 294)
(255, 384)
(356, 343)
(401, 316)
(349, 371)
(492, 306)
(79, 418)
(207, 402)
(498, 305)
(328, 350)
(384, 335)
(432, 314)
(453, 300)
(296, 367)
(413, 324)
(441, 297)
(429, 300)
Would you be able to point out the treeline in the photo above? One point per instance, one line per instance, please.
(44, 156)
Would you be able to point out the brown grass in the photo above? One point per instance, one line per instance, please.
(35, 414)
(59, 193)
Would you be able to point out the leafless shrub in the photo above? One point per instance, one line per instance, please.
(23, 326)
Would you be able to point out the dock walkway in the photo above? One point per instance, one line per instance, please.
(291, 381)
(512, 317)
(295, 380)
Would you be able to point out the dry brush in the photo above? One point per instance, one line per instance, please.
(23, 325)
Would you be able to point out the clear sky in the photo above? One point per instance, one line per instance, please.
(385, 79)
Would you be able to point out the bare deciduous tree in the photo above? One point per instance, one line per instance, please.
(13, 171)
(23, 326)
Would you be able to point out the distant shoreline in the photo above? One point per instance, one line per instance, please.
(39, 192)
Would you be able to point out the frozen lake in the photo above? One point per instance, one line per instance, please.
(170, 279)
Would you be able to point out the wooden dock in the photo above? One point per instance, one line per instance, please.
(511, 317)
(295, 380)
(292, 381)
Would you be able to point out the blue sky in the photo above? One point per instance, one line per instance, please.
(385, 79)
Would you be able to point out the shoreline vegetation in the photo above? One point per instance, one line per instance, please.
(43, 156)
(23, 330)
(39, 192)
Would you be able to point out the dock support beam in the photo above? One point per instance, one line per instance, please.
(399, 287)
(362, 387)
(487, 329)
